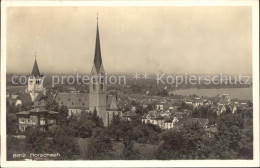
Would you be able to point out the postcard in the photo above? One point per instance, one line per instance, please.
(127, 84)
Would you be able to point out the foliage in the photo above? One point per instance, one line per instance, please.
(205, 112)
(181, 144)
(64, 143)
(84, 123)
(11, 107)
(184, 106)
(11, 123)
(163, 93)
(37, 141)
(62, 117)
(232, 140)
(58, 140)
(100, 146)
(128, 152)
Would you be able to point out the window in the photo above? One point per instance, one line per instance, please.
(83, 104)
(102, 83)
(79, 99)
(42, 121)
(72, 103)
(22, 120)
(68, 99)
(94, 84)
(33, 122)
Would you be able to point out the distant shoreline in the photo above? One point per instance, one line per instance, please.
(245, 93)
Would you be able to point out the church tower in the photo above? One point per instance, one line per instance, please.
(98, 88)
(35, 82)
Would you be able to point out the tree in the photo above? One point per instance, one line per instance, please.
(128, 152)
(37, 141)
(115, 129)
(163, 93)
(84, 123)
(181, 144)
(99, 146)
(184, 106)
(64, 143)
(232, 140)
(58, 140)
(63, 114)
(246, 144)
(11, 125)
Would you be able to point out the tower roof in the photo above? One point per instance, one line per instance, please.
(97, 58)
(35, 70)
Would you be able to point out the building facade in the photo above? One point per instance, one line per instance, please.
(35, 82)
(98, 87)
(36, 117)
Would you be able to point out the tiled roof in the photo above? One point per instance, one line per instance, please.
(23, 113)
(212, 129)
(130, 114)
(36, 110)
(40, 97)
(97, 59)
(168, 120)
(153, 115)
(35, 70)
(25, 98)
(73, 100)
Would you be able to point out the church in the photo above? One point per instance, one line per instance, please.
(35, 94)
(98, 100)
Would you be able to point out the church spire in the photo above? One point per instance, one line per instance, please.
(97, 58)
(35, 70)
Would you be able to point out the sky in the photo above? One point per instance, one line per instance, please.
(203, 40)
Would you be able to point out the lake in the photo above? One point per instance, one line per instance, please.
(239, 93)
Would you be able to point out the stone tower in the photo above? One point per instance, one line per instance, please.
(98, 88)
(35, 82)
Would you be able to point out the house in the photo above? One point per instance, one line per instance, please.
(224, 99)
(166, 113)
(211, 131)
(197, 102)
(189, 101)
(224, 108)
(36, 117)
(169, 123)
(130, 116)
(153, 118)
(159, 106)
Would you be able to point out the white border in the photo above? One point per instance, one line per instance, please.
(151, 163)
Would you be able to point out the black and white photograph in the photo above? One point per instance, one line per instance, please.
(131, 81)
